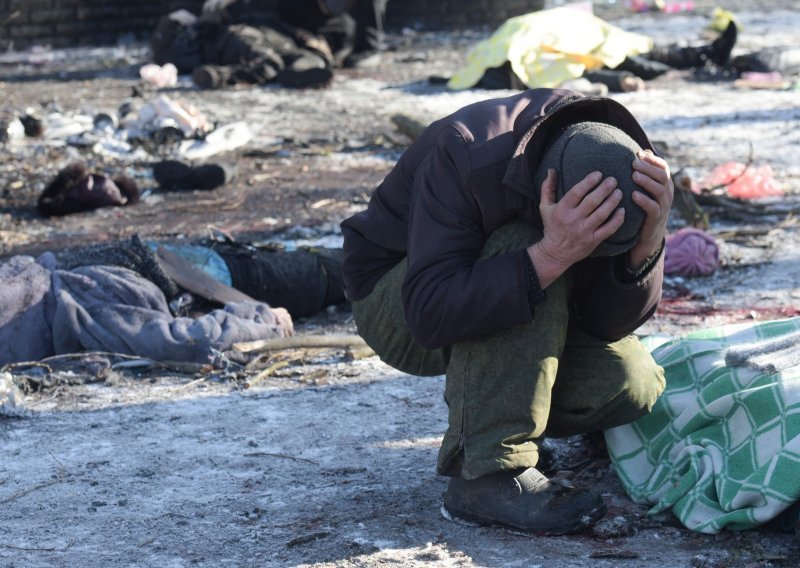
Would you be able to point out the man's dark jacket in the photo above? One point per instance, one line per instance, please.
(465, 176)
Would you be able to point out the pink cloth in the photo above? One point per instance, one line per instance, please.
(691, 252)
(745, 182)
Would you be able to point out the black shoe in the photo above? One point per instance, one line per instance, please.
(307, 70)
(721, 47)
(524, 500)
(172, 174)
(717, 52)
(210, 77)
(364, 59)
(306, 78)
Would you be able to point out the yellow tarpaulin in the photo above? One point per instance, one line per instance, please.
(549, 47)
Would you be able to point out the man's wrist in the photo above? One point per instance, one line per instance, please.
(640, 255)
(631, 274)
(536, 294)
(547, 268)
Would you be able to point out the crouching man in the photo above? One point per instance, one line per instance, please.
(515, 247)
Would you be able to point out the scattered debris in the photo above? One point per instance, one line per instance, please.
(614, 527)
(300, 154)
(159, 76)
(11, 398)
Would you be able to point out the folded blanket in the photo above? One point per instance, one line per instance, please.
(721, 447)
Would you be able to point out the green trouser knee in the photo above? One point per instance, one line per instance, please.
(508, 389)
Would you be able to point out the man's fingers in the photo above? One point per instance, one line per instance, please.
(649, 205)
(607, 190)
(549, 188)
(604, 210)
(649, 156)
(608, 228)
(575, 194)
(652, 186)
(652, 166)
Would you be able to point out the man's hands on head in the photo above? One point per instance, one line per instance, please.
(588, 214)
(651, 173)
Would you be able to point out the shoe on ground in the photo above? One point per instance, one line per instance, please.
(210, 77)
(722, 46)
(314, 77)
(363, 60)
(308, 70)
(172, 174)
(523, 500)
(631, 84)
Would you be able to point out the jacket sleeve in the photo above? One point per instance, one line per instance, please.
(609, 307)
(449, 294)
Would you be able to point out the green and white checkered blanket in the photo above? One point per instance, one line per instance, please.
(721, 447)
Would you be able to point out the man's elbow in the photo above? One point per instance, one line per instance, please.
(613, 329)
(426, 331)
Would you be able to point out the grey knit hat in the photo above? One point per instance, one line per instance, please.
(594, 146)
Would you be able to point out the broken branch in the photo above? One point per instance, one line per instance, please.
(300, 342)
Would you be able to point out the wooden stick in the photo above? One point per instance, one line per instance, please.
(686, 202)
(274, 455)
(266, 373)
(29, 490)
(409, 126)
(299, 342)
(36, 548)
(192, 383)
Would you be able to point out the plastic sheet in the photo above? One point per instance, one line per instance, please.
(744, 181)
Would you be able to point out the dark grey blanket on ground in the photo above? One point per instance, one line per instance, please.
(45, 311)
(768, 355)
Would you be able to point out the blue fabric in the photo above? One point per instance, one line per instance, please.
(204, 258)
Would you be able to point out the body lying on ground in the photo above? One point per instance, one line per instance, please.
(48, 311)
(219, 55)
(136, 298)
(551, 47)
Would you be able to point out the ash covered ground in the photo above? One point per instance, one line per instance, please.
(330, 460)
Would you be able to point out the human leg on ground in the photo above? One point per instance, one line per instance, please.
(717, 52)
(237, 54)
(369, 16)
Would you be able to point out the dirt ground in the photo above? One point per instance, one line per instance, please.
(330, 460)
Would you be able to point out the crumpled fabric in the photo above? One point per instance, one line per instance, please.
(159, 76)
(744, 181)
(75, 188)
(548, 47)
(719, 447)
(45, 311)
(691, 252)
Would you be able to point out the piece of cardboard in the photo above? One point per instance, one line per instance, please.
(194, 280)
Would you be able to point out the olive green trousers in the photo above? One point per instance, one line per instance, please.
(506, 390)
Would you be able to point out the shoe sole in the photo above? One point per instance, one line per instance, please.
(473, 520)
(204, 80)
